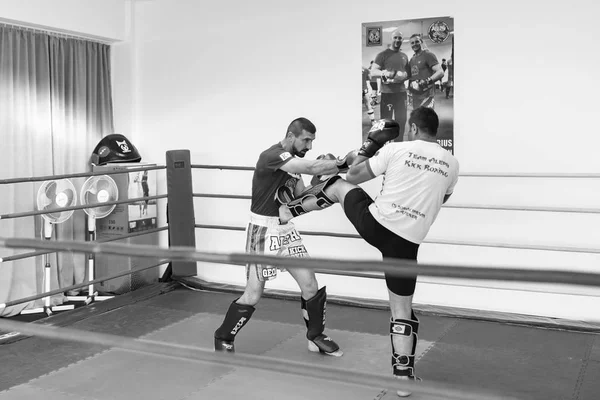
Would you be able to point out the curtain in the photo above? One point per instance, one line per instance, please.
(55, 106)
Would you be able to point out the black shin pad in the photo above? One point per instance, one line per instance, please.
(313, 311)
(237, 316)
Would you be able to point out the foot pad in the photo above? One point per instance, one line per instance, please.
(224, 345)
(325, 345)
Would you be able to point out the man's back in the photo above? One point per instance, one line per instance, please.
(418, 175)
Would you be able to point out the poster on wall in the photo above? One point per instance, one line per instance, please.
(408, 64)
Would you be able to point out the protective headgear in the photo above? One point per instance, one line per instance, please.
(115, 148)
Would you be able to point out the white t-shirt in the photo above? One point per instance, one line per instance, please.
(418, 174)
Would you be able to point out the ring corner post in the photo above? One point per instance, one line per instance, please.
(180, 208)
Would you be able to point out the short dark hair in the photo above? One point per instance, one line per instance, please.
(300, 124)
(416, 35)
(426, 120)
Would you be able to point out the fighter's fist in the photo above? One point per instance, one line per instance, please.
(401, 76)
(388, 75)
(392, 76)
(327, 156)
(420, 85)
(381, 132)
(344, 163)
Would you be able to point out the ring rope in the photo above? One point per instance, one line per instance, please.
(461, 206)
(465, 174)
(81, 207)
(42, 252)
(236, 360)
(223, 196)
(397, 267)
(223, 167)
(529, 175)
(79, 285)
(526, 208)
(566, 249)
(76, 175)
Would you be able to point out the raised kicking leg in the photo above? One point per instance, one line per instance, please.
(318, 197)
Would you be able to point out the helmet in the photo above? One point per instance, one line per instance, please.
(115, 148)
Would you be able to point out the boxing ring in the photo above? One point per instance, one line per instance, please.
(157, 342)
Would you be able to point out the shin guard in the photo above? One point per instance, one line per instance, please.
(404, 364)
(312, 199)
(313, 311)
(237, 316)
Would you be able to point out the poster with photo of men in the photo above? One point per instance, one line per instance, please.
(407, 64)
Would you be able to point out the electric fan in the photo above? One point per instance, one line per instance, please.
(96, 191)
(51, 197)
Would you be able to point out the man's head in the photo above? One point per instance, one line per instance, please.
(423, 121)
(416, 42)
(396, 40)
(299, 137)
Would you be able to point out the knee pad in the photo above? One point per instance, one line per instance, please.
(404, 364)
(401, 285)
(312, 199)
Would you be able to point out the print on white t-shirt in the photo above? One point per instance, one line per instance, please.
(418, 175)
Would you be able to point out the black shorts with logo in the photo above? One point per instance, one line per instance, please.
(356, 207)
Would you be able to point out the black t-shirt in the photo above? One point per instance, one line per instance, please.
(268, 178)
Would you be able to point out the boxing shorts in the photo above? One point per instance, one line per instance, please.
(264, 235)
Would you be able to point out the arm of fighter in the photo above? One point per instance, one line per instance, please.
(421, 84)
(310, 167)
(438, 73)
(300, 187)
(375, 71)
(381, 132)
(359, 171)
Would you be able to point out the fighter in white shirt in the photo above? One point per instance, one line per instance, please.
(419, 176)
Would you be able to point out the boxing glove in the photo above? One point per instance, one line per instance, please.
(381, 132)
(388, 75)
(414, 85)
(344, 163)
(420, 85)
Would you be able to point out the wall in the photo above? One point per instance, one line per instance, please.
(225, 79)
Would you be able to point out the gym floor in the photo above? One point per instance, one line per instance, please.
(517, 361)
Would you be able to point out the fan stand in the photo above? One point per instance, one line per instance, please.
(91, 261)
(47, 308)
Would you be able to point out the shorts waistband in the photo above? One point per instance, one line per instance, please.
(263, 220)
